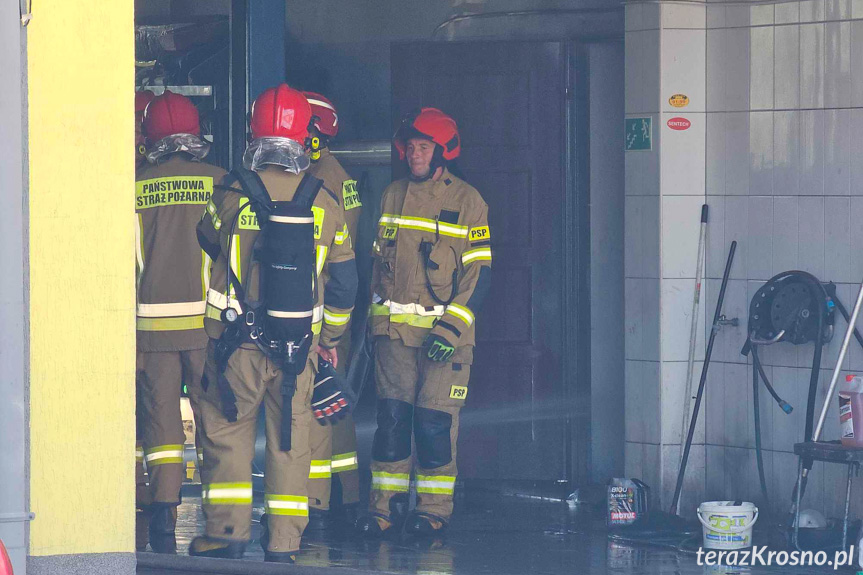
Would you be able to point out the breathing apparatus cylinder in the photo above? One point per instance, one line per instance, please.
(289, 275)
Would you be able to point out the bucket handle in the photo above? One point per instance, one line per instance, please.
(733, 530)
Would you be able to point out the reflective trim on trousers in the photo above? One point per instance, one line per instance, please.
(227, 493)
(437, 484)
(320, 469)
(163, 454)
(345, 462)
(398, 482)
(295, 505)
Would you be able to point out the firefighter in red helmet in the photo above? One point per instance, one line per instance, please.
(334, 447)
(142, 98)
(271, 228)
(432, 260)
(171, 190)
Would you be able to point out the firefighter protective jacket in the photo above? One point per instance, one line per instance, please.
(452, 216)
(172, 270)
(229, 209)
(340, 182)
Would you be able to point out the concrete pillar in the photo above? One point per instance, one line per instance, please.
(665, 56)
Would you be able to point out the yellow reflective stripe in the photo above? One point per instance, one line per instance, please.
(439, 484)
(139, 454)
(412, 319)
(461, 312)
(175, 309)
(398, 482)
(424, 224)
(320, 469)
(213, 312)
(214, 215)
(379, 309)
(139, 248)
(336, 318)
(227, 493)
(322, 257)
(206, 264)
(481, 254)
(342, 235)
(170, 323)
(162, 454)
(344, 462)
(236, 259)
(295, 505)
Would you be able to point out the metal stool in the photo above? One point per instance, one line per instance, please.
(829, 453)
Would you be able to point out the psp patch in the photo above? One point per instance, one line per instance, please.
(458, 392)
(390, 232)
(350, 195)
(319, 220)
(479, 234)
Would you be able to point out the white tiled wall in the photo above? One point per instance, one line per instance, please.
(775, 149)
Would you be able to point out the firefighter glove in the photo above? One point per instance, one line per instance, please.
(439, 348)
(328, 397)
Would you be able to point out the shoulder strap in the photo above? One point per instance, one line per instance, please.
(307, 191)
(253, 187)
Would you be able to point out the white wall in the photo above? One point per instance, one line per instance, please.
(776, 103)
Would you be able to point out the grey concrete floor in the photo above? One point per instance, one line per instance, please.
(497, 536)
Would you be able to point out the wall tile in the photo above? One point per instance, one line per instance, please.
(714, 404)
(761, 15)
(680, 229)
(737, 54)
(633, 455)
(837, 10)
(761, 43)
(633, 17)
(715, 16)
(633, 318)
(787, 13)
(810, 233)
(714, 488)
(633, 247)
(856, 239)
(787, 67)
(738, 405)
(812, 10)
(683, 163)
(837, 239)
(786, 155)
(737, 15)
(715, 154)
(837, 64)
(737, 136)
(812, 66)
(673, 397)
(634, 423)
(652, 474)
(693, 482)
(759, 251)
(716, 245)
(837, 153)
(857, 8)
(856, 64)
(651, 402)
(634, 102)
(651, 235)
(812, 152)
(761, 153)
(686, 16)
(767, 410)
(785, 235)
(676, 310)
(652, 322)
(684, 57)
(729, 339)
(736, 228)
(717, 69)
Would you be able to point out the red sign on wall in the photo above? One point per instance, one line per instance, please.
(679, 123)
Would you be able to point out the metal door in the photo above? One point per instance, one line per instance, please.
(509, 99)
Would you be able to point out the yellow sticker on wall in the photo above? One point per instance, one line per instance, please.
(458, 392)
(679, 100)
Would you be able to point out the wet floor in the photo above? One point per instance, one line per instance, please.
(488, 536)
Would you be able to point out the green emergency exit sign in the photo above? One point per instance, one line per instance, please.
(638, 134)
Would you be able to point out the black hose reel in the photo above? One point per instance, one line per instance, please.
(786, 309)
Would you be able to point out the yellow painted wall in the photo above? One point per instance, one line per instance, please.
(82, 339)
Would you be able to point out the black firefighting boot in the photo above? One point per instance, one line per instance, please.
(163, 522)
(206, 547)
(425, 525)
(377, 525)
(142, 528)
(319, 519)
(273, 556)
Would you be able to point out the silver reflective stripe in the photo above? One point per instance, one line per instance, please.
(220, 300)
(292, 219)
(171, 309)
(290, 314)
(164, 455)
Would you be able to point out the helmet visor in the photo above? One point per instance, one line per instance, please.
(283, 152)
(189, 143)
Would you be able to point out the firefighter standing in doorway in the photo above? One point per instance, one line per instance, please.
(266, 227)
(334, 447)
(171, 190)
(432, 260)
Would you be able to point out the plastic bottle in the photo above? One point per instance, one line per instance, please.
(851, 411)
